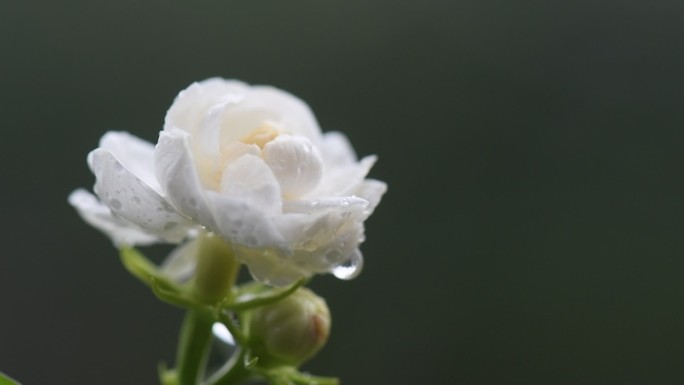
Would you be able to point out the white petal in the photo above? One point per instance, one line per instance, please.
(130, 198)
(236, 150)
(230, 217)
(371, 190)
(249, 179)
(181, 262)
(323, 232)
(271, 267)
(293, 113)
(296, 163)
(330, 255)
(209, 168)
(178, 177)
(336, 150)
(344, 180)
(197, 110)
(191, 105)
(244, 224)
(136, 154)
(264, 104)
(96, 214)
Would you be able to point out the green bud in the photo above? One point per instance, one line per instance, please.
(216, 269)
(290, 331)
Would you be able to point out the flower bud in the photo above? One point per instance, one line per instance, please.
(290, 331)
(216, 269)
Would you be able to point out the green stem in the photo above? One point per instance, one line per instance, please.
(194, 346)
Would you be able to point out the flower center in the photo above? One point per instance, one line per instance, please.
(262, 134)
(290, 161)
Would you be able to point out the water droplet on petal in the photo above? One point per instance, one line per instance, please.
(310, 245)
(333, 256)
(115, 204)
(170, 225)
(251, 241)
(351, 268)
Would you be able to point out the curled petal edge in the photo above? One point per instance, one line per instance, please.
(128, 197)
(95, 213)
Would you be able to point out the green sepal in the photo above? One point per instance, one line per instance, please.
(146, 271)
(6, 380)
(163, 288)
(300, 378)
(174, 296)
(291, 376)
(266, 296)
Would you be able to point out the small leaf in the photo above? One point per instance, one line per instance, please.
(5, 380)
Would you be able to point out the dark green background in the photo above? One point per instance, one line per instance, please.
(533, 232)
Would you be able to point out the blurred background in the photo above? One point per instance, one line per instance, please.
(533, 232)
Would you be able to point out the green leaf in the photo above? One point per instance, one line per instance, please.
(5, 380)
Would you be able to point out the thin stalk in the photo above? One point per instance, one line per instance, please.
(193, 348)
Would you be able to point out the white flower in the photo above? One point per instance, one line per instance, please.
(248, 163)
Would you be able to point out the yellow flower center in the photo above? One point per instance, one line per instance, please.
(262, 134)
